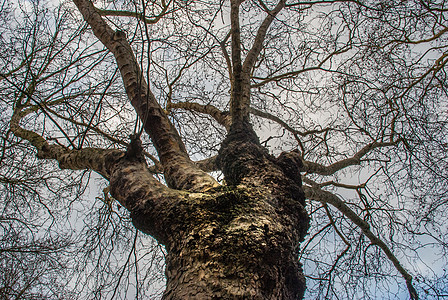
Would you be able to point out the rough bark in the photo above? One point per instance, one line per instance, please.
(239, 241)
(235, 243)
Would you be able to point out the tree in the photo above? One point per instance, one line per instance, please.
(228, 131)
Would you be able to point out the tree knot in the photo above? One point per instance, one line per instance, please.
(291, 164)
(134, 151)
(119, 35)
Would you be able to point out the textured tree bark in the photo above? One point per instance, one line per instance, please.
(239, 241)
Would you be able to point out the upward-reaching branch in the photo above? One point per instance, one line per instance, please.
(251, 57)
(240, 101)
(239, 98)
(179, 170)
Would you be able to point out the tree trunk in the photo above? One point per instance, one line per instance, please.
(238, 241)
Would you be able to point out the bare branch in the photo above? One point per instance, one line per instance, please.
(315, 193)
(298, 72)
(222, 118)
(409, 41)
(165, 137)
(252, 56)
(315, 168)
(88, 158)
(106, 135)
(139, 16)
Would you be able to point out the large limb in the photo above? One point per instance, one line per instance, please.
(131, 183)
(88, 158)
(179, 170)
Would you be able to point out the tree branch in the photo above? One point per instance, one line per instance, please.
(88, 158)
(239, 96)
(315, 193)
(166, 139)
(240, 100)
(295, 73)
(131, 183)
(315, 168)
(222, 118)
(140, 16)
(252, 56)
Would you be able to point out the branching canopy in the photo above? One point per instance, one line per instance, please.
(353, 92)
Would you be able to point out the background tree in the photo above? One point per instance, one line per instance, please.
(156, 96)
